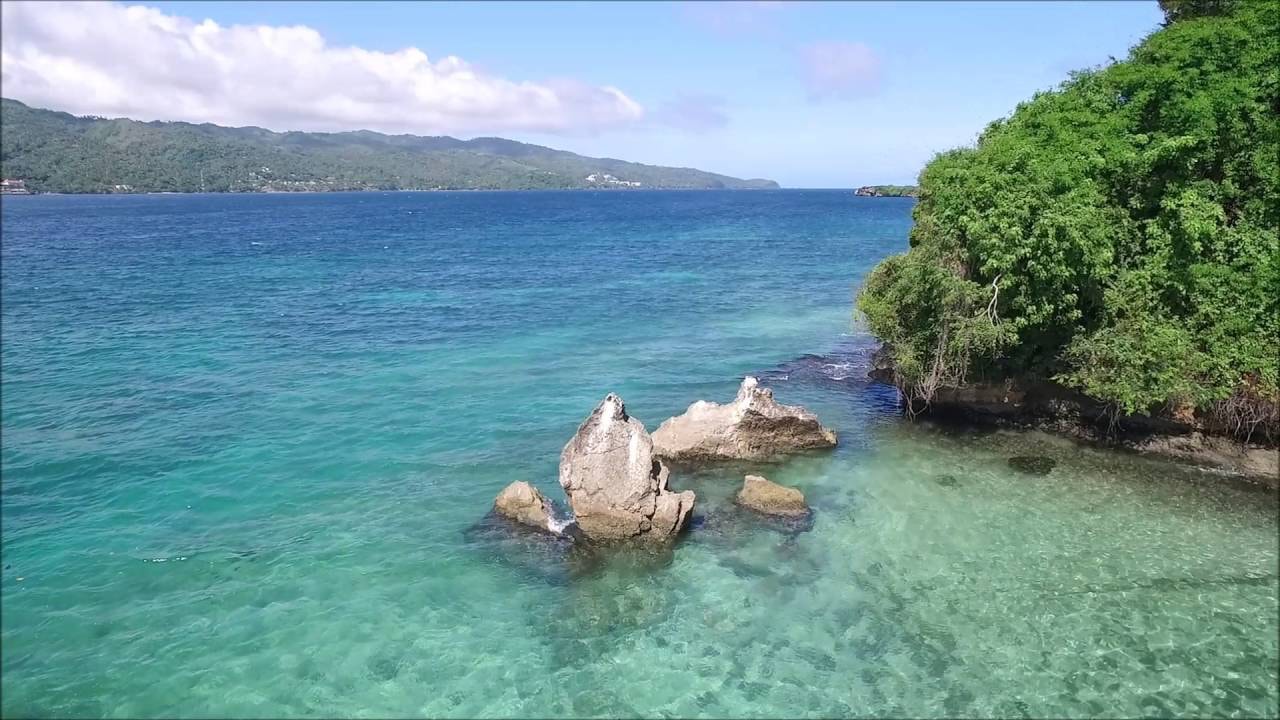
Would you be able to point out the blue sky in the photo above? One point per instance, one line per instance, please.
(810, 94)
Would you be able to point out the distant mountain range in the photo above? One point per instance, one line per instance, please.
(58, 152)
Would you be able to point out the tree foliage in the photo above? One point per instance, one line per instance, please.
(1175, 10)
(1118, 234)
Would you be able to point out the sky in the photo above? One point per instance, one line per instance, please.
(811, 94)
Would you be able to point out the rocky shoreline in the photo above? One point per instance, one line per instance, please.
(1050, 407)
(615, 476)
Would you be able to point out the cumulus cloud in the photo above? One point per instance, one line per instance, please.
(839, 70)
(695, 113)
(135, 61)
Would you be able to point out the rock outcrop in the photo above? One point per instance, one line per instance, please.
(753, 427)
(616, 487)
(522, 503)
(768, 497)
(1048, 406)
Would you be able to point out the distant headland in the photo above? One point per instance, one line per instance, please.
(48, 151)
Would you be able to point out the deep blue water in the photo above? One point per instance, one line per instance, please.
(249, 443)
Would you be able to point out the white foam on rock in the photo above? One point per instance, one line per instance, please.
(557, 525)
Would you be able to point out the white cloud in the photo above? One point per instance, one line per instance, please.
(839, 70)
(135, 61)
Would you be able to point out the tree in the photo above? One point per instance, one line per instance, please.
(1175, 10)
(1118, 234)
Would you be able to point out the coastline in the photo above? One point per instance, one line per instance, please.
(399, 190)
(1053, 408)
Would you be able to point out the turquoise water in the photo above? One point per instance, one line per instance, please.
(249, 444)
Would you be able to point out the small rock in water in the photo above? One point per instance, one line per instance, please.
(949, 480)
(1032, 465)
(522, 503)
(762, 495)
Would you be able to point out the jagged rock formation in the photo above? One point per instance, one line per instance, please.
(616, 487)
(753, 427)
(768, 497)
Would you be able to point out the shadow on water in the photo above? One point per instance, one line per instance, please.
(604, 592)
(841, 374)
(212, 563)
(561, 560)
(1032, 464)
(730, 524)
(846, 365)
(947, 481)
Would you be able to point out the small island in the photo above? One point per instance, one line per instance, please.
(887, 191)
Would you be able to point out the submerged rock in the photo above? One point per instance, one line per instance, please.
(770, 498)
(730, 526)
(616, 487)
(1032, 465)
(522, 503)
(1255, 462)
(753, 427)
(532, 553)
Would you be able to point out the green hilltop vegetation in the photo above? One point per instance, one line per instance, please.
(1118, 235)
(58, 152)
(887, 191)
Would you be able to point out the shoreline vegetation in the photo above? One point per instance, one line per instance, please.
(56, 152)
(1104, 261)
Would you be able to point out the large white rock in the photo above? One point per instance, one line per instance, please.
(753, 427)
(616, 487)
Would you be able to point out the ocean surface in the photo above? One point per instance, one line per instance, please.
(250, 444)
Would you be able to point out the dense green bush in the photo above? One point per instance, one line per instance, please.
(1118, 234)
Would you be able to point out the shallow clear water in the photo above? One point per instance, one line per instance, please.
(249, 443)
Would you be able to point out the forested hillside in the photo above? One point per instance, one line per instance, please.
(58, 152)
